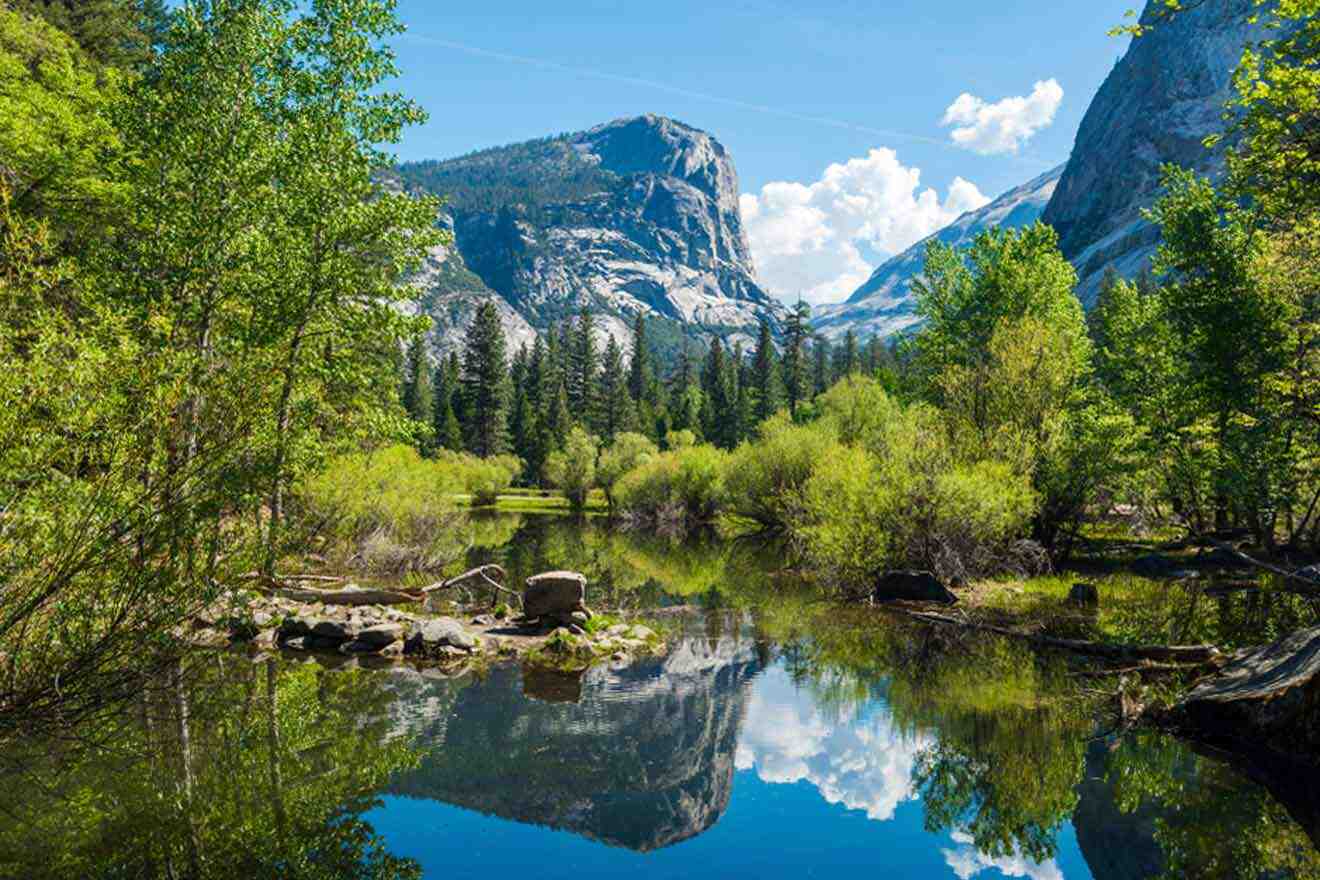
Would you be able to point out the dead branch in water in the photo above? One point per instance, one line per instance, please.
(1195, 654)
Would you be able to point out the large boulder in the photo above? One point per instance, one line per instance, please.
(920, 586)
(1268, 696)
(555, 594)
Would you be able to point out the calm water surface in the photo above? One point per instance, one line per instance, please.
(779, 738)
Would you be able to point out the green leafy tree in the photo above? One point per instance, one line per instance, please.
(628, 451)
(573, 469)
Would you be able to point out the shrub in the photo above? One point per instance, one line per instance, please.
(392, 502)
(484, 478)
(677, 489)
(572, 469)
(904, 501)
(766, 479)
(626, 452)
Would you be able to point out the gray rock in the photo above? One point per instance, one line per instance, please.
(429, 637)
(1084, 594)
(921, 586)
(294, 627)
(333, 630)
(637, 215)
(554, 593)
(381, 634)
(1156, 106)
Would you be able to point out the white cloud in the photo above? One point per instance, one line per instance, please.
(806, 238)
(966, 861)
(862, 763)
(1006, 125)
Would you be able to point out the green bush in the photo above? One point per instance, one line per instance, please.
(766, 479)
(572, 469)
(390, 508)
(676, 489)
(483, 478)
(626, 452)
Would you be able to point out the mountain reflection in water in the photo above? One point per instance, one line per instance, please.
(779, 737)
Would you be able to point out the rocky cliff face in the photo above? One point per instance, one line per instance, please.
(1157, 105)
(638, 215)
(884, 305)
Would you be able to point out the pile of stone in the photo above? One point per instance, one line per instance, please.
(439, 638)
(555, 599)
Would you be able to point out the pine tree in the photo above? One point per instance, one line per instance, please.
(559, 421)
(850, 358)
(719, 405)
(740, 380)
(820, 348)
(582, 369)
(536, 374)
(765, 390)
(684, 395)
(418, 397)
(484, 383)
(640, 374)
(616, 404)
(797, 331)
(448, 431)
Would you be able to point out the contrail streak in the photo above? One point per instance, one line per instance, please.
(673, 90)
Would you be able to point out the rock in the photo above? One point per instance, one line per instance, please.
(381, 634)
(358, 646)
(294, 627)
(579, 617)
(1084, 594)
(432, 638)
(297, 643)
(1268, 696)
(262, 619)
(1156, 106)
(636, 215)
(642, 633)
(921, 586)
(618, 629)
(331, 630)
(576, 630)
(554, 593)
(482, 620)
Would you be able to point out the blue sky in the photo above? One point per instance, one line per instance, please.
(790, 89)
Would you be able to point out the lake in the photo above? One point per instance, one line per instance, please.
(780, 736)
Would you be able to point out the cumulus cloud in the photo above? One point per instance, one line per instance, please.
(1006, 125)
(860, 762)
(966, 862)
(807, 239)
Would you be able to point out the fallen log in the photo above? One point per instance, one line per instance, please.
(282, 578)
(347, 596)
(1107, 650)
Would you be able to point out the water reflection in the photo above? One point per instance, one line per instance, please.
(779, 737)
(643, 759)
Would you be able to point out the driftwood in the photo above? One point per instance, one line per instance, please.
(282, 578)
(489, 574)
(353, 596)
(1107, 650)
(1297, 583)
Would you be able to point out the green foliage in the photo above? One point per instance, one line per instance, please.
(485, 398)
(766, 478)
(573, 469)
(60, 152)
(680, 488)
(485, 479)
(628, 451)
(392, 507)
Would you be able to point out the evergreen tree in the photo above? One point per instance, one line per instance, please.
(684, 395)
(640, 373)
(536, 374)
(616, 405)
(820, 349)
(740, 378)
(418, 397)
(448, 432)
(582, 369)
(765, 386)
(849, 358)
(797, 331)
(719, 410)
(484, 383)
(558, 419)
